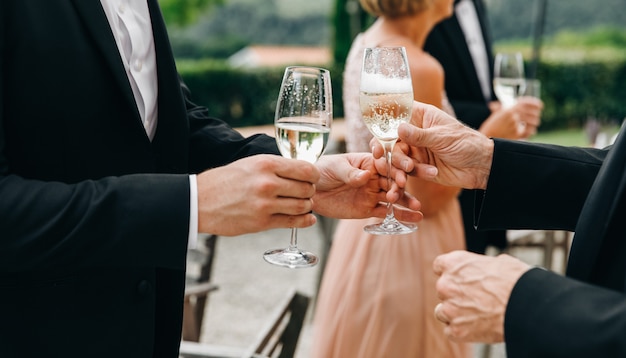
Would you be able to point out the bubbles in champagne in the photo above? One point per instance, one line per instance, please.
(383, 112)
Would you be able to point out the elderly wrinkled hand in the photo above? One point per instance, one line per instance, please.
(438, 147)
(474, 291)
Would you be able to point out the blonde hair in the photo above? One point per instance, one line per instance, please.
(395, 8)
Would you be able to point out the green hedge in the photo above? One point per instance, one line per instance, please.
(242, 97)
(572, 92)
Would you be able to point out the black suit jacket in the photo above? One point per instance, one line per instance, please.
(581, 190)
(94, 217)
(446, 42)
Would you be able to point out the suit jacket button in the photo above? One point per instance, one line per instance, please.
(144, 287)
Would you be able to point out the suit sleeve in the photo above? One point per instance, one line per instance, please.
(472, 113)
(549, 315)
(211, 136)
(536, 186)
(108, 222)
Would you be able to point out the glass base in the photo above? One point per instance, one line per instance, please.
(390, 227)
(290, 258)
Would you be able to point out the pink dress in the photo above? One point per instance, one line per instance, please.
(377, 295)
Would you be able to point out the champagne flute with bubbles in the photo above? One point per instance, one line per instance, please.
(302, 121)
(386, 99)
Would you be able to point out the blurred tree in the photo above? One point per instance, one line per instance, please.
(236, 24)
(185, 12)
(348, 20)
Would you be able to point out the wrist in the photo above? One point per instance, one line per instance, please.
(487, 161)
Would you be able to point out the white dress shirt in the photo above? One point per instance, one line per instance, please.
(465, 12)
(132, 28)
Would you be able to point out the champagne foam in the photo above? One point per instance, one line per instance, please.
(377, 83)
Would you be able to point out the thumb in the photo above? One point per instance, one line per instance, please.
(417, 113)
(445, 261)
(348, 168)
(357, 177)
(439, 264)
(412, 135)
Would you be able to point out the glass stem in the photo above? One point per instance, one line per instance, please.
(388, 146)
(293, 243)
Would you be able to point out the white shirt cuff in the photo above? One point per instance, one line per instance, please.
(193, 212)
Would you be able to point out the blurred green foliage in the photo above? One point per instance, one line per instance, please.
(601, 36)
(582, 72)
(597, 44)
(185, 12)
(511, 19)
(572, 92)
(229, 28)
(348, 19)
(575, 92)
(243, 97)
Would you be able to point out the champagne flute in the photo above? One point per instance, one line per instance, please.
(302, 121)
(386, 100)
(508, 77)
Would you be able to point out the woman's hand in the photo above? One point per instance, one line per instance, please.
(352, 186)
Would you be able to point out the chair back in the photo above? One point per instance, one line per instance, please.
(280, 336)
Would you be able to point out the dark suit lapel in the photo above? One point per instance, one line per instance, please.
(451, 29)
(165, 59)
(96, 22)
(171, 137)
(599, 213)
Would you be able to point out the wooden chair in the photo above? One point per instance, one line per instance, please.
(327, 226)
(198, 286)
(547, 241)
(280, 337)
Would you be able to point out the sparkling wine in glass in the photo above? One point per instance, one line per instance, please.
(386, 99)
(302, 121)
(508, 77)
